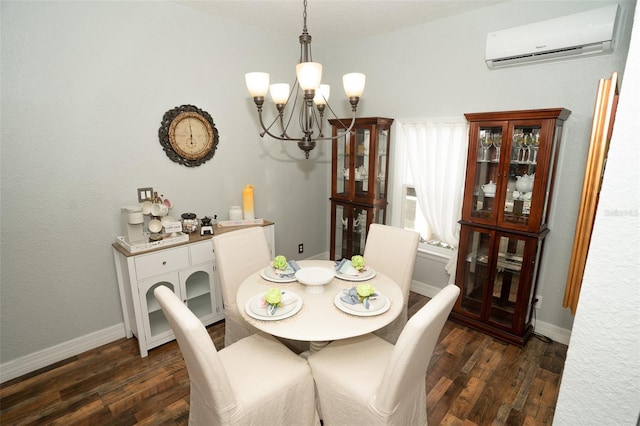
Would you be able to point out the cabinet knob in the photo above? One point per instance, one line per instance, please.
(164, 262)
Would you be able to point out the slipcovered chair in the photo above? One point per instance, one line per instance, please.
(239, 254)
(256, 380)
(392, 251)
(366, 380)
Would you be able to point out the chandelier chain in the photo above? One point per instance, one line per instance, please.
(304, 18)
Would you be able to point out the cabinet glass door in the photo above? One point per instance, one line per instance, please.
(507, 279)
(198, 294)
(380, 166)
(475, 246)
(521, 173)
(156, 324)
(341, 221)
(361, 164)
(351, 229)
(342, 165)
(359, 230)
(486, 181)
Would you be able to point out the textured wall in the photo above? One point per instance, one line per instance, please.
(601, 381)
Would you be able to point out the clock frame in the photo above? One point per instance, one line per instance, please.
(195, 147)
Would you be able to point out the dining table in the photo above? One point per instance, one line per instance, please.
(319, 315)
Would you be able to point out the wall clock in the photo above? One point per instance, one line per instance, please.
(188, 135)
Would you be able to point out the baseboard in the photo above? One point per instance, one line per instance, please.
(424, 289)
(28, 363)
(555, 333)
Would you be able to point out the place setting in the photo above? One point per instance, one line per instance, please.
(354, 269)
(362, 300)
(280, 270)
(274, 304)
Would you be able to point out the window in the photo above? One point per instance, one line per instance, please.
(434, 151)
(414, 219)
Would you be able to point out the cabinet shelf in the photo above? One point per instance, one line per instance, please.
(501, 238)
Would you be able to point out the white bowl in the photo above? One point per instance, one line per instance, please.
(315, 278)
(155, 225)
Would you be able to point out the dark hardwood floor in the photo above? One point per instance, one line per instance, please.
(473, 379)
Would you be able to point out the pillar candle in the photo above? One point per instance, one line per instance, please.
(247, 202)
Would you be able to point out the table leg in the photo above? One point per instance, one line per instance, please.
(313, 348)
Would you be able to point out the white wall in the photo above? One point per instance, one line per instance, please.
(84, 89)
(437, 69)
(601, 381)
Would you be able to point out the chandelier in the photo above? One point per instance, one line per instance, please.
(315, 97)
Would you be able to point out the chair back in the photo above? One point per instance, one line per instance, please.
(239, 254)
(212, 398)
(407, 366)
(392, 251)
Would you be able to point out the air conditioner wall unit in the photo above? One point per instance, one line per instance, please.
(581, 34)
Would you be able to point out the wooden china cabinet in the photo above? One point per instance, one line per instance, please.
(359, 175)
(508, 188)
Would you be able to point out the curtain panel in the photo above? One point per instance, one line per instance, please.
(436, 151)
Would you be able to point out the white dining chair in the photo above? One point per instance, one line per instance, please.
(392, 251)
(239, 254)
(366, 380)
(256, 380)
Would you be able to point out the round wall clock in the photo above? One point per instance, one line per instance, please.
(188, 135)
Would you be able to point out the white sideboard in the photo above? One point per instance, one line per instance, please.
(187, 268)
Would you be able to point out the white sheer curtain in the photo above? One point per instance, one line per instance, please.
(436, 153)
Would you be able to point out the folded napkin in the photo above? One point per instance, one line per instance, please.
(345, 267)
(289, 271)
(351, 297)
(287, 299)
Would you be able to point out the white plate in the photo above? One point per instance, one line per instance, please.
(269, 274)
(254, 310)
(364, 276)
(377, 307)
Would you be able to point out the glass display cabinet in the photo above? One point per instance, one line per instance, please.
(508, 188)
(359, 175)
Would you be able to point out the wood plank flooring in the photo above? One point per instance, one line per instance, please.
(473, 379)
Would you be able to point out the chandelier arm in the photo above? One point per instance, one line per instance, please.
(347, 130)
(266, 129)
(293, 108)
(267, 132)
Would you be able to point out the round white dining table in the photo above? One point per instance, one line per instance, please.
(320, 321)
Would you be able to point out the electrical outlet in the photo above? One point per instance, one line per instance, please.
(300, 248)
(538, 303)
